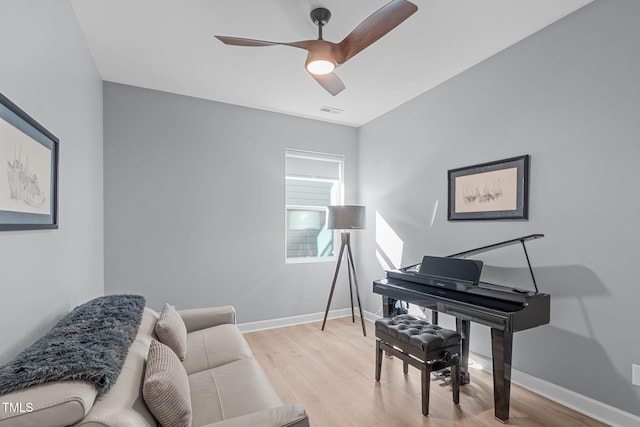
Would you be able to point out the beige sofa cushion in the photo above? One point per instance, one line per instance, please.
(212, 347)
(201, 318)
(59, 403)
(166, 387)
(171, 330)
(289, 415)
(123, 405)
(231, 390)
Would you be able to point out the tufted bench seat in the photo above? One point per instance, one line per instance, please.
(421, 344)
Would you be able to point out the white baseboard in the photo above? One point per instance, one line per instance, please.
(585, 405)
(293, 320)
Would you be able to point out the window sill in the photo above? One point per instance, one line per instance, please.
(313, 260)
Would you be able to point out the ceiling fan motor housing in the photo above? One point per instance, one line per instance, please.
(320, 16)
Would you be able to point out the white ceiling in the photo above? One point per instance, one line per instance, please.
(168, 45)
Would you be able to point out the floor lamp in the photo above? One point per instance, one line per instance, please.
(346, 218)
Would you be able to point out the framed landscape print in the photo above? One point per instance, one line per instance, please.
(489, 191)
(28, 171)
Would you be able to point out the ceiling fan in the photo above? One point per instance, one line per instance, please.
(325, 56)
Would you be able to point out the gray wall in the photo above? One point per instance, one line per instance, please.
(569, 96)
(47, 70)
(194, 190)
(194, 203)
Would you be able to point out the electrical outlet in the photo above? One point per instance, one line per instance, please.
(635, 374)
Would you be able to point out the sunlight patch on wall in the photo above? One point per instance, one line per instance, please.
(389, 245)
(435, 210)
(383, 262)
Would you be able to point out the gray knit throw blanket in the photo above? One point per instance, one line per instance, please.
(89, 344)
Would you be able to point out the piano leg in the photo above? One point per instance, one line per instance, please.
(463, 327)
(389, 308)
(501, 348)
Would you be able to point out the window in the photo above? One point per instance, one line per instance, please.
(313, 181)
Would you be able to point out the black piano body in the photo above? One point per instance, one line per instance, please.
(459, 293)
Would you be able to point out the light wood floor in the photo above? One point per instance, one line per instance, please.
(331, 374)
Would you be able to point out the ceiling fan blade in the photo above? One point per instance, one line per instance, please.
(375, 27)
(237, 41)
(331, 82)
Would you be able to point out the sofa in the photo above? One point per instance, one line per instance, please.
(227, 386)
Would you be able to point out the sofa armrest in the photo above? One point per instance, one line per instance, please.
(289, 415)
(201, 318)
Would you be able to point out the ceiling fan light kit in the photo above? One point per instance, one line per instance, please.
(324, 56)
(320, 60)
(320, 66)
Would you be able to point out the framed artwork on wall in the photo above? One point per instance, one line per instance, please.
(28, 171)
(490, 191)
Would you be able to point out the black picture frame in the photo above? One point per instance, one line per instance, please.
(28, 171)
(490, 191)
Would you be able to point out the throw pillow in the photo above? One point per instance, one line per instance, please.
(171, 330)
(166, 387)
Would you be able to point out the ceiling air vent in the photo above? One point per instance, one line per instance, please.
(331, 110)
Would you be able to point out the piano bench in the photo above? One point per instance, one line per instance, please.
(420, 344)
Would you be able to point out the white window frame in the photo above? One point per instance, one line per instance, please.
(339, 199)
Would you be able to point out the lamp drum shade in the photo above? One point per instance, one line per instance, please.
(345, 217)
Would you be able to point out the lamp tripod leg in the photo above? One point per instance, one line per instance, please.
(353, 316)
(333, 285)
(355, 281)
